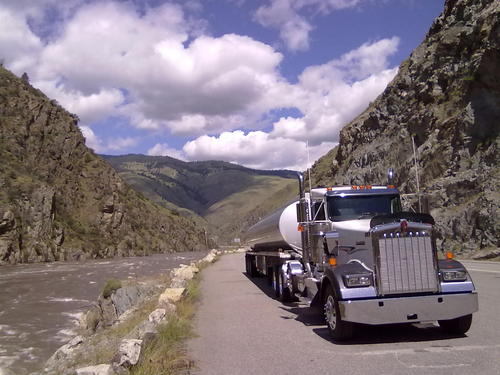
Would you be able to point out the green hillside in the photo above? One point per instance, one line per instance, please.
(223, 197)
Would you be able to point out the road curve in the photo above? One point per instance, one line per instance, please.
(243, 330)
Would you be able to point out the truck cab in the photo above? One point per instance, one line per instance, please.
(354, 252)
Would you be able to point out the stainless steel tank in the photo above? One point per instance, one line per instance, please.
(278, 230)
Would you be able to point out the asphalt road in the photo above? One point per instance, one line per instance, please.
(243, 330)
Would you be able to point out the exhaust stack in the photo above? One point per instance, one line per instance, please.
(302, 193)
(390, 176)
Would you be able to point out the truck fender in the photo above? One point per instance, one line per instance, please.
(329, 279)
(334, 276)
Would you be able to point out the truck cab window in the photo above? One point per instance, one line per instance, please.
(319, 211)
(351, 207)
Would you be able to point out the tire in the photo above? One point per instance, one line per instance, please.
(250, 266)
(276, 282)
(270, 276)
(457, 326)
(285, 294)
(339, 329)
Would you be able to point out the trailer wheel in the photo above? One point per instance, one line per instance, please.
(457, 326)
(275, 281)
(285, 294)
(251, 268)
(339, 329)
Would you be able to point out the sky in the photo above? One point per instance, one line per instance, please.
(266, 83)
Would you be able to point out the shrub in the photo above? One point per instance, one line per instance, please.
(110, 287)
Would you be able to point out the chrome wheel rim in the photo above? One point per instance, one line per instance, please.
(330, 314)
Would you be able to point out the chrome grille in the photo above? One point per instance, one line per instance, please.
(406, 264)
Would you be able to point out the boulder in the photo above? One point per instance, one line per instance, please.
(210, 257)
(66, 350)
(157, 316)
(96, 370)
(170, 295)
(128, 353)
(181, 275)
(146, 331)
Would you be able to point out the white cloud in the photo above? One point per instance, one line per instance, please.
(294, 29)
(18, 45)
(162, 149)
(367, 59)
(99, 145)
(256, 150)
(91, 140)
(109, 59)
(119, 144)
(288, 17)
(336, 92)
(90, 108)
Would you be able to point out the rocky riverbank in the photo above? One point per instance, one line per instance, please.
(124, 320)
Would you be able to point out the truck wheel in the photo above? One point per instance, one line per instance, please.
(251, 269)
(339, 329)
(285, 294)
(270, 276)
(457, 326)
(276, 282)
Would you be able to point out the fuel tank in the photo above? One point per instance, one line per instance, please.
(278, 230)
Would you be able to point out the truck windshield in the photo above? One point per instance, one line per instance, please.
(352, 207)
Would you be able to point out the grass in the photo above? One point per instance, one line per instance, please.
(103, 345)
(110, 287)
(231, 215)
(166, 354)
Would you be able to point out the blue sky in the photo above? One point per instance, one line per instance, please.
(251, 82)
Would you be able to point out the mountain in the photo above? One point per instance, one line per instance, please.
(224, 197)
(60, 201)
(446, 96)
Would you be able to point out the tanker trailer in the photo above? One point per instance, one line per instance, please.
(352, 251)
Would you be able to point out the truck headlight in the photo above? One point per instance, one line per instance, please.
(454, 275)
(357, 280)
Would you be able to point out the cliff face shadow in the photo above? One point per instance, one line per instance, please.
(363, 334)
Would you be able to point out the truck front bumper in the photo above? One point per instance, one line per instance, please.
(409, 309)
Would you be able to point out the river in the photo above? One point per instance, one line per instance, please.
(40, 303)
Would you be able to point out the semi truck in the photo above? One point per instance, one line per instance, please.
(354, 252)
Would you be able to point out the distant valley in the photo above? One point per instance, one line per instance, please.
(222, 197)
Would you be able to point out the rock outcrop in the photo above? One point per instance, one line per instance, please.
(60, 201)
(446, 96)
(128, 343)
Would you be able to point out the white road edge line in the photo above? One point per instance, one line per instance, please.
(480, 270)
(431, 349)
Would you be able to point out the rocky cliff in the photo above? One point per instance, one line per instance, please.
(446, 96)
(60, 201)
